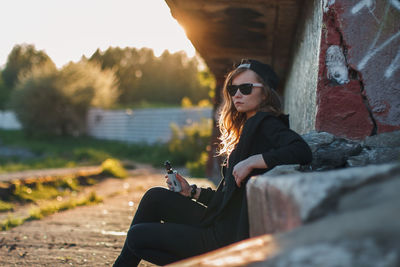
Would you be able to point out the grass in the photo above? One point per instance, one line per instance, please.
(56, 195)
(38, 192)
(59, 152)
(186, 145)
(48, 208)
(10, 222)
(6, 206)
(114, 168)
(55, 206)
(59, 195)
(15, 164)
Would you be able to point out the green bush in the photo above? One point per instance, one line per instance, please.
(4, 94)
(22, 59)
(198, 168)
(52, 102)
(114, 168)
(189, 144)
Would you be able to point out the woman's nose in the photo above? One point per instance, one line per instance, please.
(238, 93)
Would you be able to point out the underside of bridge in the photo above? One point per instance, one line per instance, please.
(352, 92)
(223, 32)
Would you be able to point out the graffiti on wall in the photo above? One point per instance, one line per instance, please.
(374, 47)
(336, 65)
(364, 36)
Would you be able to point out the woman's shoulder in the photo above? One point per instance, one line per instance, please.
(269, 117)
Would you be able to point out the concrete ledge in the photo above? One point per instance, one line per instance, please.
(361, 230)
(278, 203)
(239, 254)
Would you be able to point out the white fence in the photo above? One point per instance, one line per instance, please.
(143, 125)
(9, 121)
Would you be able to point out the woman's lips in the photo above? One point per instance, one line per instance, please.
(238, 103)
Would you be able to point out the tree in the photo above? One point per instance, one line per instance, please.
(51, 101)
(144, 77)
(4, 94)
(22, 59)
(129, 65)
(86, 84)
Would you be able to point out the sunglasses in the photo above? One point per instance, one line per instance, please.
(244, 88)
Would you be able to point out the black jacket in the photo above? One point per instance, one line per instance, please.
(265, 134)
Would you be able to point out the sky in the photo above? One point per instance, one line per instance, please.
(68, 29)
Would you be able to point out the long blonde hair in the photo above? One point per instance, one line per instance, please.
(231, 121)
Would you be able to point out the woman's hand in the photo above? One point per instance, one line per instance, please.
(244, 167)
(186, 188)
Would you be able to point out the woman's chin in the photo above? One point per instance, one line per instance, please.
(240, 108)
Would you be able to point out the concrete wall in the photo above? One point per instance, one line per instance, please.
(345, 74)
(367, 100)
(301, 84)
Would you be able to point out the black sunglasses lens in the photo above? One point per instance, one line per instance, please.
(232, 89)
(246, 88)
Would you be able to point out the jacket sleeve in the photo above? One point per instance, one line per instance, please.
(206, 194)
(288, 147)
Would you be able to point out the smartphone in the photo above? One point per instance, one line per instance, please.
(176, 185)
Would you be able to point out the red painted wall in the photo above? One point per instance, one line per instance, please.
(368, 32)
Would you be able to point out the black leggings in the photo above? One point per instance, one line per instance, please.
(165, 229)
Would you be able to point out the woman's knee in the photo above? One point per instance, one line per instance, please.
(134, 237)
(151, 206)
(156, 194)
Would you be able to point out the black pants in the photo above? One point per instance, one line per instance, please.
(165, 229)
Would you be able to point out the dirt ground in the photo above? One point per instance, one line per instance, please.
(84, 236)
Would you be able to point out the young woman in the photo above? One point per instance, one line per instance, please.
(255, 137)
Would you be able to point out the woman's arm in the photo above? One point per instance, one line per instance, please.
(202, 195)
(287, 148)
(244, 167)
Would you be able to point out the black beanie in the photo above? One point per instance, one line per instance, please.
(265, 71)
